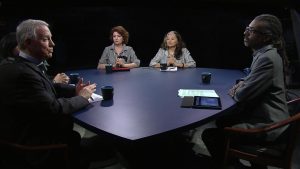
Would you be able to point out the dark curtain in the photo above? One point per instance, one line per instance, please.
(296, 27)
(295, 62)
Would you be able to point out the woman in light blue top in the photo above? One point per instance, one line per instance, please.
(118, 54)
(173, 52)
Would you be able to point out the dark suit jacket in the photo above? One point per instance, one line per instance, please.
(33, 110)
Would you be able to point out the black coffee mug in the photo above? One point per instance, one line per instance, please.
(108, 68)
(206, 77)
(107, 92)
(74, 78)
(163, 66)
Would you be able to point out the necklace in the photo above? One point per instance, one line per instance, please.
(171, 53)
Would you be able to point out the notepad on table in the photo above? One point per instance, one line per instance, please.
(169, 69)
(197, 92)
(95, 98)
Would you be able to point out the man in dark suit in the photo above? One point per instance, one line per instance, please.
(260, 96)
(33, 110)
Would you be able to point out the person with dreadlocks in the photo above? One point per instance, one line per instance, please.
(261, 95)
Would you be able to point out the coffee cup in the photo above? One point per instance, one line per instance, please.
(108, 68)
(107, 92)
(206, 77)
(74, 78)
(163, 66)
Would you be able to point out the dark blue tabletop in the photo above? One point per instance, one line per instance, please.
(146, 101)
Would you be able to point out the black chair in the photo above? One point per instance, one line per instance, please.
(13, 155)
(278, 153)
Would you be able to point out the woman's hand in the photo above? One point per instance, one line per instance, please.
(171, 61)
(120, 62)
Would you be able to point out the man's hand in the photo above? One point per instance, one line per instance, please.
(232, 91)
(85, 90)
(61, 78)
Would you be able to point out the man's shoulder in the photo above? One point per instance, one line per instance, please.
(16, 66)
(10, 69)
(270, 55)
(7, 60)
(7, 63)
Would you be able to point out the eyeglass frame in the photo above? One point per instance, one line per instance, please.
(252, 30)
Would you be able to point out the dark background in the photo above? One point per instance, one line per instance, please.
(212, 30)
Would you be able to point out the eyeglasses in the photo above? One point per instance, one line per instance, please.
(252, 30)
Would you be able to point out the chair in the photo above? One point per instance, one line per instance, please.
(277, 153)
(13, 155)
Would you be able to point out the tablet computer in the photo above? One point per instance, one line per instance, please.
(187, 101)
(203, 102)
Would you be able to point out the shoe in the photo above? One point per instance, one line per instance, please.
(238, 165)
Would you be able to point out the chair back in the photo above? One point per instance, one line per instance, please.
(293, 139)
(278, 153)
(294, 130)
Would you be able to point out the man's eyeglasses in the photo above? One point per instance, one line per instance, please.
(252, 30)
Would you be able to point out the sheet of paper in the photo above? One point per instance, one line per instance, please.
(197, 92)
(169, 69)
(95, 98)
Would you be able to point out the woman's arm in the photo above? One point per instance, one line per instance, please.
(188, 61)
(155, 62)
(133, 62)
(103, 60)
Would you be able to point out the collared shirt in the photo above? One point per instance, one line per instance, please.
(41, 64)
(109, 56)
(29, 58)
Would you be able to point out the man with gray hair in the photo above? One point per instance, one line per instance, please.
(33, 109)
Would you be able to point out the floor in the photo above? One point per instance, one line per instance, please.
(198, 148)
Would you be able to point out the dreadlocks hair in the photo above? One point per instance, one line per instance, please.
(273, 28)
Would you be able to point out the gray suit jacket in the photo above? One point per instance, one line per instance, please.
(263, 92)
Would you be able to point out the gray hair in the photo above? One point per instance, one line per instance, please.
(27, 30)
